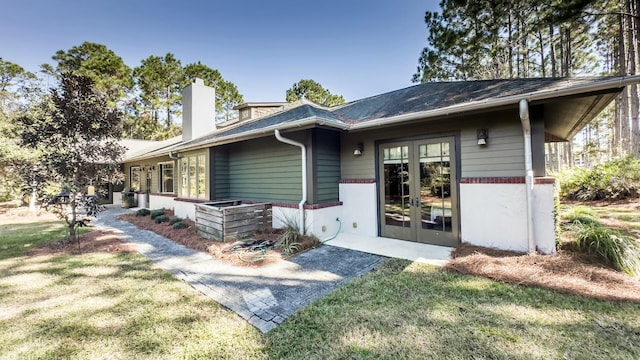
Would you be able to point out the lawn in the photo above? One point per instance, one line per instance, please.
(118, 305)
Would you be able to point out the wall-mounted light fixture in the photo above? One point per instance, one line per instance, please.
(359, 149)
(483, 136)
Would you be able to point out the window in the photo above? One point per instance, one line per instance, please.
(193, 171)
(166, 177)
(135, 177)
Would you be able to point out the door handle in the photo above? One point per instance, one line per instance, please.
(410, 201)
(417, 201)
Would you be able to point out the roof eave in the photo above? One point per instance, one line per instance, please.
(615, 83)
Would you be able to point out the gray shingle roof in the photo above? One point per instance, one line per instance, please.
(284, 117)
(435, 95)
(421, 100)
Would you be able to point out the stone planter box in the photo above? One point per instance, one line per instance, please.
(231, 220)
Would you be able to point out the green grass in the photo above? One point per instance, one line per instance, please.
(415, 311)
(115, 306)
(120, 306)
(17, 239)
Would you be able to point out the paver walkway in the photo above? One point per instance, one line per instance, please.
(264, 296)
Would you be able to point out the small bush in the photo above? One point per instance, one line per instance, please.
(156, 213)
(616, 179)
(620, 251)
(143, 212)
(179, 225)
(174, 220)
(581, 214)
(161, 218)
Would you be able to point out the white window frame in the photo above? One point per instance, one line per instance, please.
(188, 179)
(161, 166)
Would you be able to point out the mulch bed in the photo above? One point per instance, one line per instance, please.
(189, 238)
(567, 272)
(95, 241)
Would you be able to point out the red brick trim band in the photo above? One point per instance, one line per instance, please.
(164, 194)
(357, 181)
(506, 180)
(308, 206)
(195, 201)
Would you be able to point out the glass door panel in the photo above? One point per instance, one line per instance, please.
(396, 199)
(418, 191)
(437, 208)
(435, 187)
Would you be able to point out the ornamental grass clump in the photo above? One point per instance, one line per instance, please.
(289, 240)
(620, 251)
(580, 214)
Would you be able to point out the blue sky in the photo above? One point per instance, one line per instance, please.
(356, 48)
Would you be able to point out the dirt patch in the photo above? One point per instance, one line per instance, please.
(92, 242)
(566, 272)
(189, 238)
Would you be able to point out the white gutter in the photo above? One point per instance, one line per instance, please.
(303, 152)
(503, 101)
(528, 166)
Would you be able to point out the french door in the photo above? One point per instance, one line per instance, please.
(418, 192)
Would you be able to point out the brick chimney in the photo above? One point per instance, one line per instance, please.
(198, 110)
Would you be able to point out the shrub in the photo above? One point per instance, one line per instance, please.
(143, 212)
(161, 218)
(620, 251)
(179, 225)
(156, 213)
(616, 179)
(174, 220)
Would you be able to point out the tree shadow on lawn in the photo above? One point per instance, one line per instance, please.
(406, 310)
(95, 304)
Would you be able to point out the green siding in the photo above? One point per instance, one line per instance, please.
(220, 188)
(503, 156)
(264, 170)
(326, 165)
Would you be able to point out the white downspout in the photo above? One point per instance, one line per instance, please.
(303, 150)
(528, 165)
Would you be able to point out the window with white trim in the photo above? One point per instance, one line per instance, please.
(193, 176)
(165, 183)
(136, 181)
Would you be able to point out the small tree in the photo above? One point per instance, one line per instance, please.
(76, 135)
(311, 90)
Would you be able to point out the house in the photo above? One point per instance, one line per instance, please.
(439, 163)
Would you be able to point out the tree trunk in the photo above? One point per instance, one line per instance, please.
(542, 62)
(510, 44)
(552, 54)
(624, 96)
(634, 60)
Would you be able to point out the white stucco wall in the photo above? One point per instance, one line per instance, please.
(495, 215)
(359, 207)
(185, 210)
(161, 202)
(544, 218)
(117, 198)
(315, 219)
